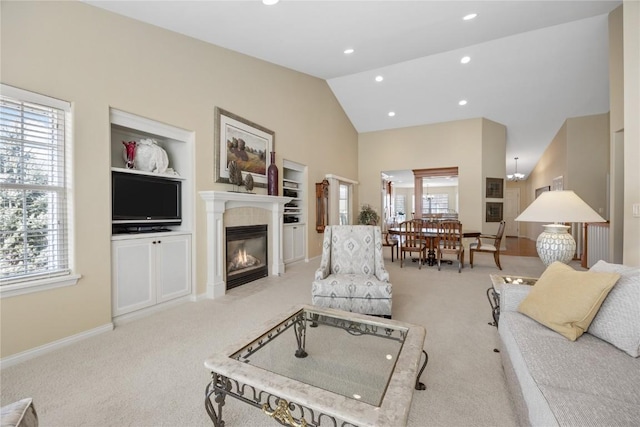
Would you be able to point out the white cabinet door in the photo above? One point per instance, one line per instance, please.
(133, 275)
(173, 272)
(293, 241)
(287, 243)
(299, 234)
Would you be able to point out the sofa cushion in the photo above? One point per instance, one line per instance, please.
(618, 321)
(19, 414)
(566, 300)
(586, 382)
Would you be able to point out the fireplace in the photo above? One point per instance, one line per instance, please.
(246, 254)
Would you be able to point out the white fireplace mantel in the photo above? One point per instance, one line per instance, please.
(216, 202)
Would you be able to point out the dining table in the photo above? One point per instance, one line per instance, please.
(431, 234)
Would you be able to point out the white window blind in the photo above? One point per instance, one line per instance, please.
(435, 203)
(344, 202)
(400, 207)
(33, 186)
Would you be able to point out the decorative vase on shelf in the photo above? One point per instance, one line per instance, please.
(272, 176)
(129, 153)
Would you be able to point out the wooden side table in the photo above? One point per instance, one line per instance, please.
(493, 293)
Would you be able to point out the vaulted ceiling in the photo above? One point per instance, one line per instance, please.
(532, 63)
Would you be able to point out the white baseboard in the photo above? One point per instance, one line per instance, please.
(14, 359)
(124, 318)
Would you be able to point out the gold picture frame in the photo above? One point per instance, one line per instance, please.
(248, 143)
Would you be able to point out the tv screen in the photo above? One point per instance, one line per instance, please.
(145, 200)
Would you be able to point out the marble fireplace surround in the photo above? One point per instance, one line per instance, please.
(227, 209)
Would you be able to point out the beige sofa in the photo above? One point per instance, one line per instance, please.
(21, 413)
(592, 381)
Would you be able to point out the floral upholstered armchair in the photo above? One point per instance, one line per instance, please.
(352, 276)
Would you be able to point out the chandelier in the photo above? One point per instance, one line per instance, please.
(515, 176)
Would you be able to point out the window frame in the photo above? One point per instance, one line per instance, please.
(44, 280)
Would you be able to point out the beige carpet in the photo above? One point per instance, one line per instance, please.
(150, 372)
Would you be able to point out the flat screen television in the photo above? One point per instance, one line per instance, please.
(145, 201)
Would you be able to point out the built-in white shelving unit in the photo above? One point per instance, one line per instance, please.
(294, 184)
(151, 268)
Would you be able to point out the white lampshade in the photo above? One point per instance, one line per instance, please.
(559, 207)
(555, 243)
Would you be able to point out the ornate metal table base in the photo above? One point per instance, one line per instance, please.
(285, 411)
(420, 385)
(494, 302)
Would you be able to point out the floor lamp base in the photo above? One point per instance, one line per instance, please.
(555, 244)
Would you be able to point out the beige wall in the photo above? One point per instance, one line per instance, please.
(96, 60)
(459, 143)
(588, 159)
(616, 127)
(494, 148)
(579, 153)
(631, 248)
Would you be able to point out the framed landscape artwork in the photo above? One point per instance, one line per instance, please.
(494, 188)
(248, 143)
(494, 212)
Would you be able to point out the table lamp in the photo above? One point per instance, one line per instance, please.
(555, 243)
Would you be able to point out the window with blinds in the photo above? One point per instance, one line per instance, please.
(33, 186)
(435, 203)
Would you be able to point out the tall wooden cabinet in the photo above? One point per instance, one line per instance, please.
(152, 268)
(294, 184)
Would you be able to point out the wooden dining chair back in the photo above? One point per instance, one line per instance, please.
(412, 241)
(450, 242)
(491, 244)
(391, 241)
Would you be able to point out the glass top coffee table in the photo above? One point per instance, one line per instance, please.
(315, 367)
(493, 293)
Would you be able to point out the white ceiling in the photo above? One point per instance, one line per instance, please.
(533, 63)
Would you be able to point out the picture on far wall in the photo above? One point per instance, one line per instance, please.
(494, 188)
(541, 190)
(558, 183)
(248, 143)
(494, 212)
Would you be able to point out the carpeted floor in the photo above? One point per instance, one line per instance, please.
(150, 372)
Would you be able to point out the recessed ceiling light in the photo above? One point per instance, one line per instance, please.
(465, 59)
(470, 16)
(270, 2)
(463, 102)
(348, 51)
(392, 113)
(379, 78)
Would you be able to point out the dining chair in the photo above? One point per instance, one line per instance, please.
(413, 241)
(450, 242)
(493, 247)
(391, 241)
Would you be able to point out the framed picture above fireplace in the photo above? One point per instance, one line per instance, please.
(248, 143)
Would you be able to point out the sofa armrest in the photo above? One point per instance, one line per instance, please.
(512, 295)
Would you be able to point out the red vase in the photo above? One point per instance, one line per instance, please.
(272, 176)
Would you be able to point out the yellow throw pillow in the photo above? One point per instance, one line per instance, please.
(566, 300)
